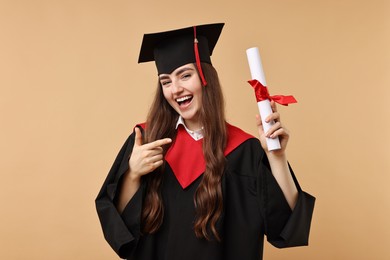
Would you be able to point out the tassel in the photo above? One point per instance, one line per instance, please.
(204, 82)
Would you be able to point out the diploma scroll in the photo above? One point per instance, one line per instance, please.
(264, 106)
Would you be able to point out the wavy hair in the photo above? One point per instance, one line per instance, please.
(208, 200)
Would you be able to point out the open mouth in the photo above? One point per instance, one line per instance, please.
(182, 101)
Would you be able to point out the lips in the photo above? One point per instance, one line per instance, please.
(182, 101)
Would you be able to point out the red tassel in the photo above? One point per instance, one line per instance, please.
(204, 82)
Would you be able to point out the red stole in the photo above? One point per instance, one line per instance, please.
(185, 156)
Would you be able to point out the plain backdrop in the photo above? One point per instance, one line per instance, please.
(71, 91)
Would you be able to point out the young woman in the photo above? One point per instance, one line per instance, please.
(188, 185)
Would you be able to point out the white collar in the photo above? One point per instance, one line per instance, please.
(196, 135)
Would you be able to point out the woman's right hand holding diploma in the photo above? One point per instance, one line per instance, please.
(144, 159)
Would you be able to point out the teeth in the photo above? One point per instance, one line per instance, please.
(183, 99)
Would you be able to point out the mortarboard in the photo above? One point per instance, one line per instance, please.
(175, 48)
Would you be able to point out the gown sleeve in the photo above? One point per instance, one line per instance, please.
(284, 227)
(121, 231)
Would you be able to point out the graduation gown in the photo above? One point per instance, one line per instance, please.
(254, 206)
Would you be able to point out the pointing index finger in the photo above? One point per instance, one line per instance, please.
(158, 143)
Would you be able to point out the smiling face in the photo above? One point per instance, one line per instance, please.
(183, 91)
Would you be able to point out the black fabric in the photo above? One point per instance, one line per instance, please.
(254, 206)
(175, 48)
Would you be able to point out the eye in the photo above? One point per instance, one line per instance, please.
(186, 75)
(165, 83)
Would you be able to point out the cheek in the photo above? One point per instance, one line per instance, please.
(166, 93)
(199, 95)
(200, 100)
(168, 96)
(197, 89)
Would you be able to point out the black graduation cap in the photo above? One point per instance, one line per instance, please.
(172, 49)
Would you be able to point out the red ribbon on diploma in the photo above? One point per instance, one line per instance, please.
(262, 94)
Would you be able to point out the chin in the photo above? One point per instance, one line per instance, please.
(192, 118)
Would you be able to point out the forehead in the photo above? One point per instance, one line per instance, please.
(188, 66)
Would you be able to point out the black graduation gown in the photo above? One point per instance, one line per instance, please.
(254, 206)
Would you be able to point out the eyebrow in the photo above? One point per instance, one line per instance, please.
(177, 73)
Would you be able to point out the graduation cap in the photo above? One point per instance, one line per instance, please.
(172, 49)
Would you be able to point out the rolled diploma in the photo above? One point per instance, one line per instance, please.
(264, 106)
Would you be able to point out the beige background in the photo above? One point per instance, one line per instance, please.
(71, 90)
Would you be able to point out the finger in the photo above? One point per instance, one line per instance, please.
(152, 152)
(279, 132)
(273, 117)
(273, 128)
(152, 166)
(157, 164)
(158, 143)
(138, 137)
(155, 158)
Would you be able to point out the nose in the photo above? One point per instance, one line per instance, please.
(176, 87)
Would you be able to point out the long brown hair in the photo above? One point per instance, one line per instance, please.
(208, 199)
